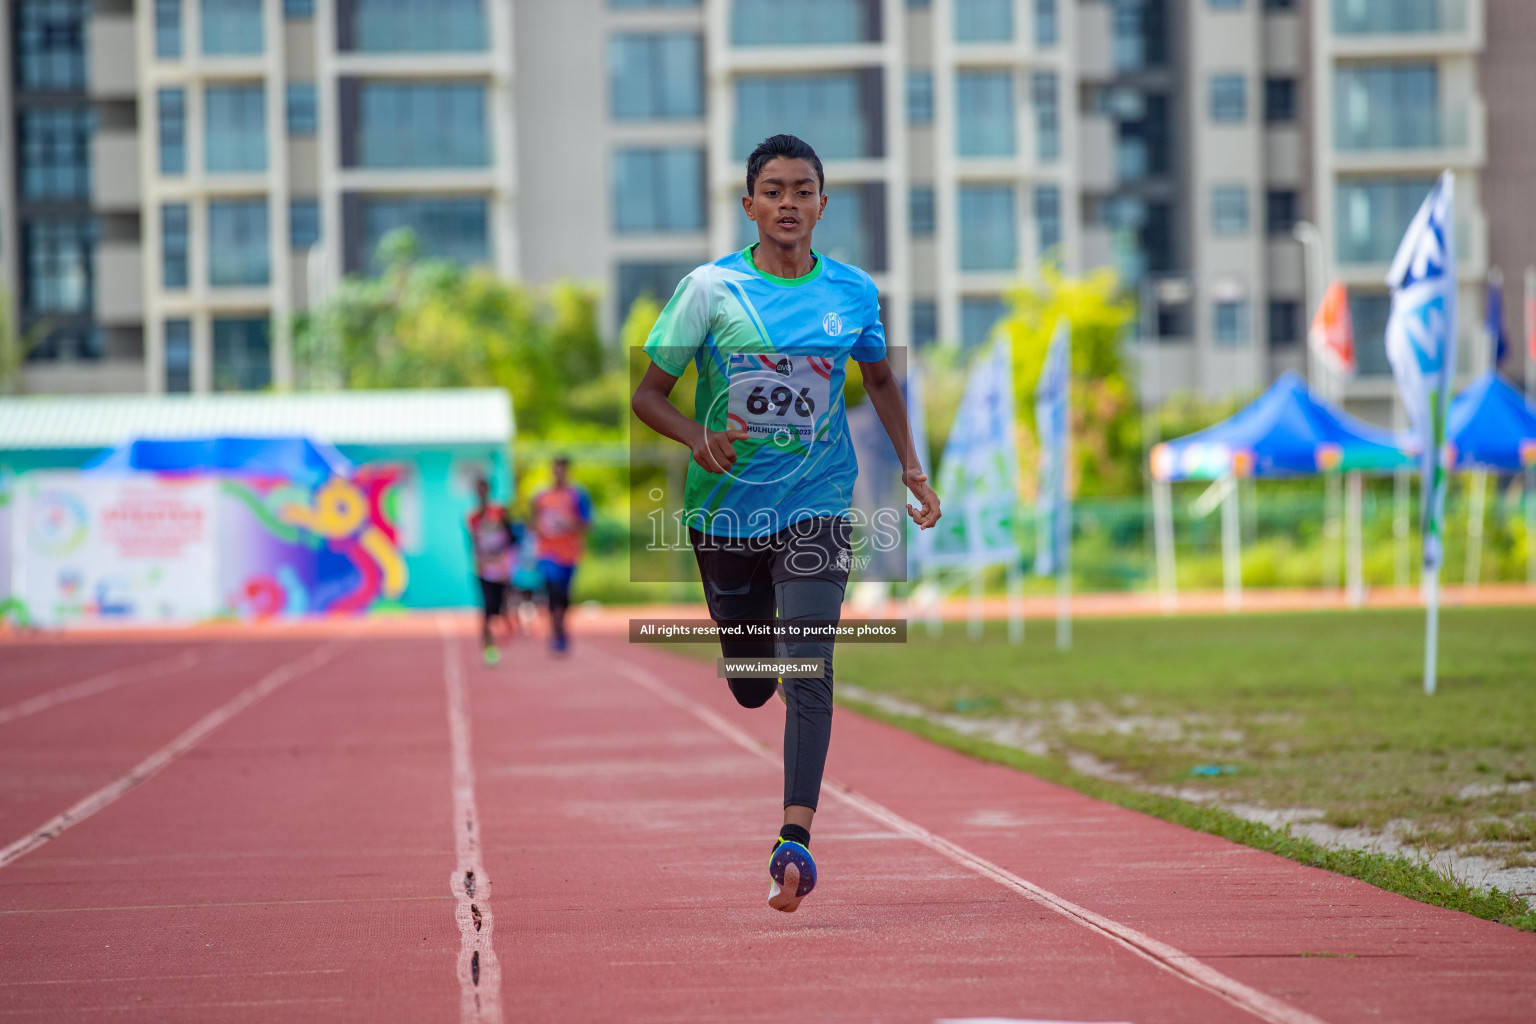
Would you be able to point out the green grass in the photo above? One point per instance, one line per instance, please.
(1317, 711)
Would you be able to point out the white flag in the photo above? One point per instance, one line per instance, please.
(1053, 403)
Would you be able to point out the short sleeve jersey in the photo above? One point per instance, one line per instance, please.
(559, 515)
(772, 356)
(495, 539)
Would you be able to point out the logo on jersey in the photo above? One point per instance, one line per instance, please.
(784, 367)
(832, 324)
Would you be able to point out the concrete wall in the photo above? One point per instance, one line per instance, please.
(1508, 85)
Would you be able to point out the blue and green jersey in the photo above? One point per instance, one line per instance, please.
(772, 355)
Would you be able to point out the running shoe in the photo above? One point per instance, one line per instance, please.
(492, 655)
(793, 873)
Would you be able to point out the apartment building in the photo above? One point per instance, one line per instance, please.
(244, 154)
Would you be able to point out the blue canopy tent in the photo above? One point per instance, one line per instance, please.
(296, 458)
(1285, 432)
(1491, 427)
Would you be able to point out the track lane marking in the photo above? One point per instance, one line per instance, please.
(478, 970)
(1168, 958)
(156, 762)
(98, 684)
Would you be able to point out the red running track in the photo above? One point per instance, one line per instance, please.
(282, 829)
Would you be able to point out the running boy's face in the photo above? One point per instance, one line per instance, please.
(786, 201)
(482, 491)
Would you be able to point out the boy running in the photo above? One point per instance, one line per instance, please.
(493, 540)
(560, 516)
(771, 330)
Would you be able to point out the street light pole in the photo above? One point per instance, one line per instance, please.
(1313, 278)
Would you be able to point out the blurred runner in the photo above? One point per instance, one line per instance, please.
(494, 540)
(771, 330)
(560, 517)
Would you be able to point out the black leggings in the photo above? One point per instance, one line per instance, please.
(797, 575)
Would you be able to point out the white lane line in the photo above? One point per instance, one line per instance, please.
(99, 684)
(1246, 998)
(152, 764)
(479, 972)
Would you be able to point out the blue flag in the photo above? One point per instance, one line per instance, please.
(1421, 345)
(1498, 339)
(1053, 406)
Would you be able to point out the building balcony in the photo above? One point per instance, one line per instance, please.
(1398, 27)
(1099, 154)
(111, 48)
(1428, 141)
(115, 170)
(1095, 42)
(119, 283)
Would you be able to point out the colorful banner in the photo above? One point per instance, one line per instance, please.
(96, 550)
(979, 475)
(1053, 405)
(1421, 345)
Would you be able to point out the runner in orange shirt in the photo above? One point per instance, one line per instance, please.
(560, 519)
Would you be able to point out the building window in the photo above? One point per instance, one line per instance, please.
(1226, 5)
(303, 115)
(1388, 106)
(298, 8)
(1368, 314)
(178, 356)
(656, 76)
(168, 29)
(925, 323)
(1229, 210)
(1231, 323)
(1279, 99)
(238, 254)
(1373, 213)
(50, 45)
(448, 228)
(1048, 221)
(1284, 322)
(172, 114)
(414, 124)
(983, 21)
(920, 97)
(1279, 5)
(920, 212)
(1157, 237)
(57, 265)
(55, 153)
(978, 315)
(231, 27)
(1047, 30)
(988, 228)
(796, 22)
(235, 128)
(1229, 98)
(1047, 116)
(173, 246)
(839, 113)
(984, 110)
(303, 223)
(658, 280)
(242, 354)
(658, 190)
(410, 26)
(1393, 17)
(1281, 211)
(634, 4)
(853, 228)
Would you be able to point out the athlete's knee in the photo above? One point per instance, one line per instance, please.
(753, 693)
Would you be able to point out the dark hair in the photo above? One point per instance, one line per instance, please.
(786, 146)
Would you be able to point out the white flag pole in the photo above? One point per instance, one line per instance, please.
(1063, 522)
(1431, 626)
(1231, 547)
(1353, 560)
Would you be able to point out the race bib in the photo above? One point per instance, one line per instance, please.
(779, 398)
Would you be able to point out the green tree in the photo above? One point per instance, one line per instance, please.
(1106, 428)
(14, 346)
(430, 323)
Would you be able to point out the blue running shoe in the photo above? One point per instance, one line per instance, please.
(793, 873)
